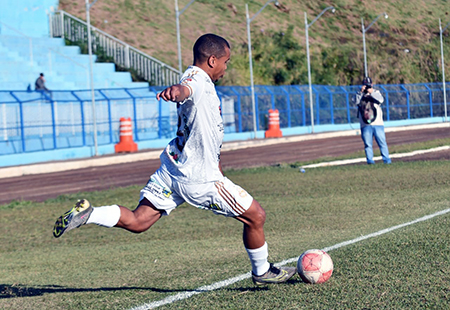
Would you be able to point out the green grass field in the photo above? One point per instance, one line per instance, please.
(99, 268)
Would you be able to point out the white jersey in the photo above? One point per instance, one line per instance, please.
(193, 156)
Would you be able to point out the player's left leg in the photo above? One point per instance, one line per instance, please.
(255, 243)
(226, 198)
(253, 219)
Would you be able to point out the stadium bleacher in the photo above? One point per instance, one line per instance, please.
(27, 50)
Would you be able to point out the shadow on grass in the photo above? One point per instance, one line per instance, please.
(17, 290)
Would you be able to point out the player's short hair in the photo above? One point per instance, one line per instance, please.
(208, 45)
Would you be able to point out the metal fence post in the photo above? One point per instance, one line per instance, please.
(430, 99)
(303, 109)
(303, 105)
(22, 129)
(110, 121)
(52, 107)
(239, 107)
(331, 106)
(257, 113)
(272, 97)
(288, 105)
(83, 123)
(5, 126)
(408, 108)
(22, 134)
(111, 138)
(135, 120)
(347, 103)
(317, 106)
(127, 56)
(61, 14)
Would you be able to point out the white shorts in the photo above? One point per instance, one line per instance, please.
(222, 197)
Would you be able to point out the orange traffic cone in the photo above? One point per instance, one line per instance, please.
(274, 125)
(126, 143)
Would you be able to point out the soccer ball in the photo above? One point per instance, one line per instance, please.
(315, 266)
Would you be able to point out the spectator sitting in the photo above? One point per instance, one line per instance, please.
(39, 85)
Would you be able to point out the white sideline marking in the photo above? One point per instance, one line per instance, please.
(363, 160)
(217, 285)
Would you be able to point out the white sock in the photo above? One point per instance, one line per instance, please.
(258, 258)
(107, 216)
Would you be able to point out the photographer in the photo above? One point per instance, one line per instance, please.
(370, 117)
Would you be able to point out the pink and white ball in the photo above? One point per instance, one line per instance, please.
(315, 266)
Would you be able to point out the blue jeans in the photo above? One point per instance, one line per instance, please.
(367, 134)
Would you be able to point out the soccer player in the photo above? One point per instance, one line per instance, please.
(190, 168)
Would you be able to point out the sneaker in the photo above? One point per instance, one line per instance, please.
(275, 275)
(73, 218)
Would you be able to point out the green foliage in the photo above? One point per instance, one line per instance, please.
(405, 48)
(128, 4)
(278, 58)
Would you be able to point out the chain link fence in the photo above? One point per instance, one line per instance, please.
(39, 121)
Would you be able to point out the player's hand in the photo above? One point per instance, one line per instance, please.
(175, 93)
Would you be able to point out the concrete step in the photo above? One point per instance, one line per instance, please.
(11, 41)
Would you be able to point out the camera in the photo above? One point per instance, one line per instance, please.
(366, 89)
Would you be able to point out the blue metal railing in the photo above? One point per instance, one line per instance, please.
(37, 121)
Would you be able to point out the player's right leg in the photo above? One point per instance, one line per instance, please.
(141, 219)
(73, 218)
(137, 221)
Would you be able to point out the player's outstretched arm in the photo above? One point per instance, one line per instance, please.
(175, 93)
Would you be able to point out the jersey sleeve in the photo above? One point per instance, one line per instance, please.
(195, 83)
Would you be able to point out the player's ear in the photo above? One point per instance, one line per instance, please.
(212, 61)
